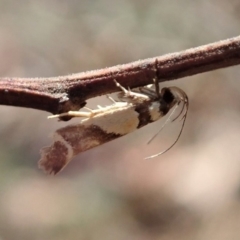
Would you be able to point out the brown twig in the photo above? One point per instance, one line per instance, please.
(62, 94)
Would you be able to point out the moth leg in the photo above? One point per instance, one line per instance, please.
(110, 98)
(131, 96)
(157, 90)
(148, 91)
(126, 92)
(73, 114)
(89, 109)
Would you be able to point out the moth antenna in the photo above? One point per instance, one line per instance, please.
(178, 103)
(185, 106)
(165, 123)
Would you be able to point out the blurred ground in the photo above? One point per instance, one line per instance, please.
(191, 192)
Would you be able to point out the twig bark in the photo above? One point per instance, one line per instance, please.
(65, 93)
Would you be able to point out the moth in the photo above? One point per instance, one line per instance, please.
(133, 110)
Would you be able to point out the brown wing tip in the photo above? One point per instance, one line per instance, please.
(55, 157)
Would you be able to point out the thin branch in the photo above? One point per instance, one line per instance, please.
(62, 94)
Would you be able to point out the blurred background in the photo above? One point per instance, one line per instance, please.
(111, 192)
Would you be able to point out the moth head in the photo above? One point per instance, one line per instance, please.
(172, 98)
(173, 95)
